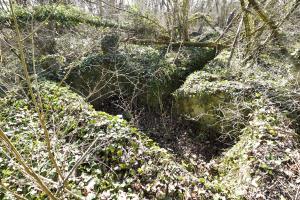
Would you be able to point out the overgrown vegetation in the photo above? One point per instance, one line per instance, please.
(59, 15)
(173, 99)
(122, 161)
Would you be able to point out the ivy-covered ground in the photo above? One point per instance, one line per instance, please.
(263, 162)
(60, 15)
(149, 73)
(217, 132)
(257, 107)
(124, 163)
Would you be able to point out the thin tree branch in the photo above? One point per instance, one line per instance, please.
(235, 41)
(27, 169)
(36, 101)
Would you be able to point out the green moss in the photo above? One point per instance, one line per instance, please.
(210, 100)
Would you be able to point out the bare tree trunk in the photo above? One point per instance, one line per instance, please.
(223, 13)
(100, 9)
(112, 10)
(218, 12)
(176, 20)
(264, 17)
(185, 19)
(246, 20)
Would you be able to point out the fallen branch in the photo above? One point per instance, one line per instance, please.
(176, 44)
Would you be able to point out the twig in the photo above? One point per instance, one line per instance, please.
(78, 162)
(227, 28)
(12, 192)
(130, 12)
(40, 25)
(56, 184)
(235, 41)
(264, 17)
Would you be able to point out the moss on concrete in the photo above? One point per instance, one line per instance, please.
(148, 73)
(258, 164)
(220, 98)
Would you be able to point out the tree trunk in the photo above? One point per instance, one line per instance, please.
(100, 9)
(246, 21)
(185, 19)
(264, 17)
